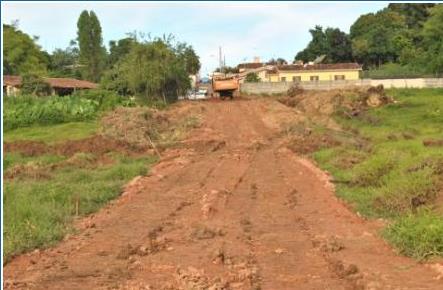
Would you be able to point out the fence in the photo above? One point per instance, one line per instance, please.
(282, 87)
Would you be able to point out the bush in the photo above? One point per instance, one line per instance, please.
(107, 100)
(252, 78)
(23, 111)
(418, 236)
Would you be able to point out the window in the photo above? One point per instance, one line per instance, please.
(296, 79)
(313, 78)
(283, 79)
(339, 77)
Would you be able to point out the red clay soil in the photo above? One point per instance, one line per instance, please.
(246, 214)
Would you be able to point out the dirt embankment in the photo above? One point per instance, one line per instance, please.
(319, 106)
(245, 214)
(316, 128)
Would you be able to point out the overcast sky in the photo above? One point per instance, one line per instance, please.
(242, 29)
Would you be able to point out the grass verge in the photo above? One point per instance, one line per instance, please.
(395, 175)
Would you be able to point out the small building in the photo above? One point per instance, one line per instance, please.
(11, 85)
(315, 72)
(59, 86)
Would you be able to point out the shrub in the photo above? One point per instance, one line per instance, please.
(252, 78)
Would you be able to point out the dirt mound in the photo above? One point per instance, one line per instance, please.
(137, 126)
(350, 102)
(148, 128)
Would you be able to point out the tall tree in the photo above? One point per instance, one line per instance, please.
(65, 62)
(189, 57)
(339, 46)
(332, 42)
(118, 49)
(433, 39)
(153, 70)
(92, 53)
(21, 54)
(415, 13)
(316, 47)
(379, 38)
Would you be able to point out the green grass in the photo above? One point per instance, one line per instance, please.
(53, 133)
(418, 236)
(38, 212)
(40, 201)
(395, 176)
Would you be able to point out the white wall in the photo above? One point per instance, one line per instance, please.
(281, 87)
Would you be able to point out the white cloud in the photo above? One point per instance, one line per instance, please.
(243, 29)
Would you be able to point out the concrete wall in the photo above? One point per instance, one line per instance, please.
(282, 87)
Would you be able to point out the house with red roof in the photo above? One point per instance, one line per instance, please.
(59, 86)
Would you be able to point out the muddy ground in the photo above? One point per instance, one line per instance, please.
(232, 208)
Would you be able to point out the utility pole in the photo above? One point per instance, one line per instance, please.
(220, 59)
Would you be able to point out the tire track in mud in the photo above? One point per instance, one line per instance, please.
(247, 214)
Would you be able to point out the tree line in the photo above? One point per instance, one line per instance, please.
(402, 37)
(137, 64)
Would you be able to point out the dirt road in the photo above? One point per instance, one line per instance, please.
(231, 209)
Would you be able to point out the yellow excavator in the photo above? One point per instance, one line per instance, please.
(225, 87)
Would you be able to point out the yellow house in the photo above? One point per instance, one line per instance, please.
(314, 72)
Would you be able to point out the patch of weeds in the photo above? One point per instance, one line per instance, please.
(417, 235)
(191, 122)
(13, 159)
(406, 192)
(81, 159)
(350, 159)
(371, 171)
(169, 138)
